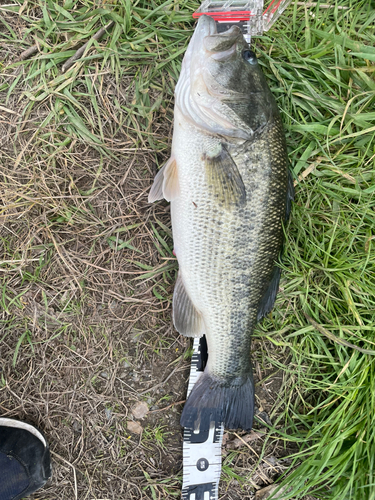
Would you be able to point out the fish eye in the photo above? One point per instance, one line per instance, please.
(249, 56)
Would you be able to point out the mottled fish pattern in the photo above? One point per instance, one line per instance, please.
(230, 192)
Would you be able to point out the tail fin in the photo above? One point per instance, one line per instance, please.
(219, 400)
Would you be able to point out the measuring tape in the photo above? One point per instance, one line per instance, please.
(201, 449)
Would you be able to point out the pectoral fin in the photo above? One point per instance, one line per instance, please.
(224, 178)
(186, 319)
(166, 184)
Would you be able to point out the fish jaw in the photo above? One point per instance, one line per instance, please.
(221, 90)
(206, 26)
(198, 95)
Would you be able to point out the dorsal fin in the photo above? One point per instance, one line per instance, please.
(289, 195)
(268, 300)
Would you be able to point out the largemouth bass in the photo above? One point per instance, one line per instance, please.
(230, 191)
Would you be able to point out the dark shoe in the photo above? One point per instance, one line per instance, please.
(25, 463)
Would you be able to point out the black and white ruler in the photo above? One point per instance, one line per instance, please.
(201, 449)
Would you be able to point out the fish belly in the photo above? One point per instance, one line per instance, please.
(226, 256)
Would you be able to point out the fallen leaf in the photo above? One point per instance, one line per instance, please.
(265, 493)
(134, 427)
(139, 410)
(225, 439)
(237, 443)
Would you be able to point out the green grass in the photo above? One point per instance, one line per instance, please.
(72, 130)
(322, 71)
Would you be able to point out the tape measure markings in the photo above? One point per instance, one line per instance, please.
(201, 449)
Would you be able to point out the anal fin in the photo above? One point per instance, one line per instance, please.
(186, 318)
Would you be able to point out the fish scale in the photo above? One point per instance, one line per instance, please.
(230, 191)
(219, 248)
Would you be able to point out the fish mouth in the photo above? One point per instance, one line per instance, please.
(206, 26)
(218, 46)
(199, 92)
(224, 55)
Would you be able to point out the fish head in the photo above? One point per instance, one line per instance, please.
(222, 88)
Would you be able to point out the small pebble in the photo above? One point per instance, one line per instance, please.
(139, 410)
(271, 460)
(134, 427)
